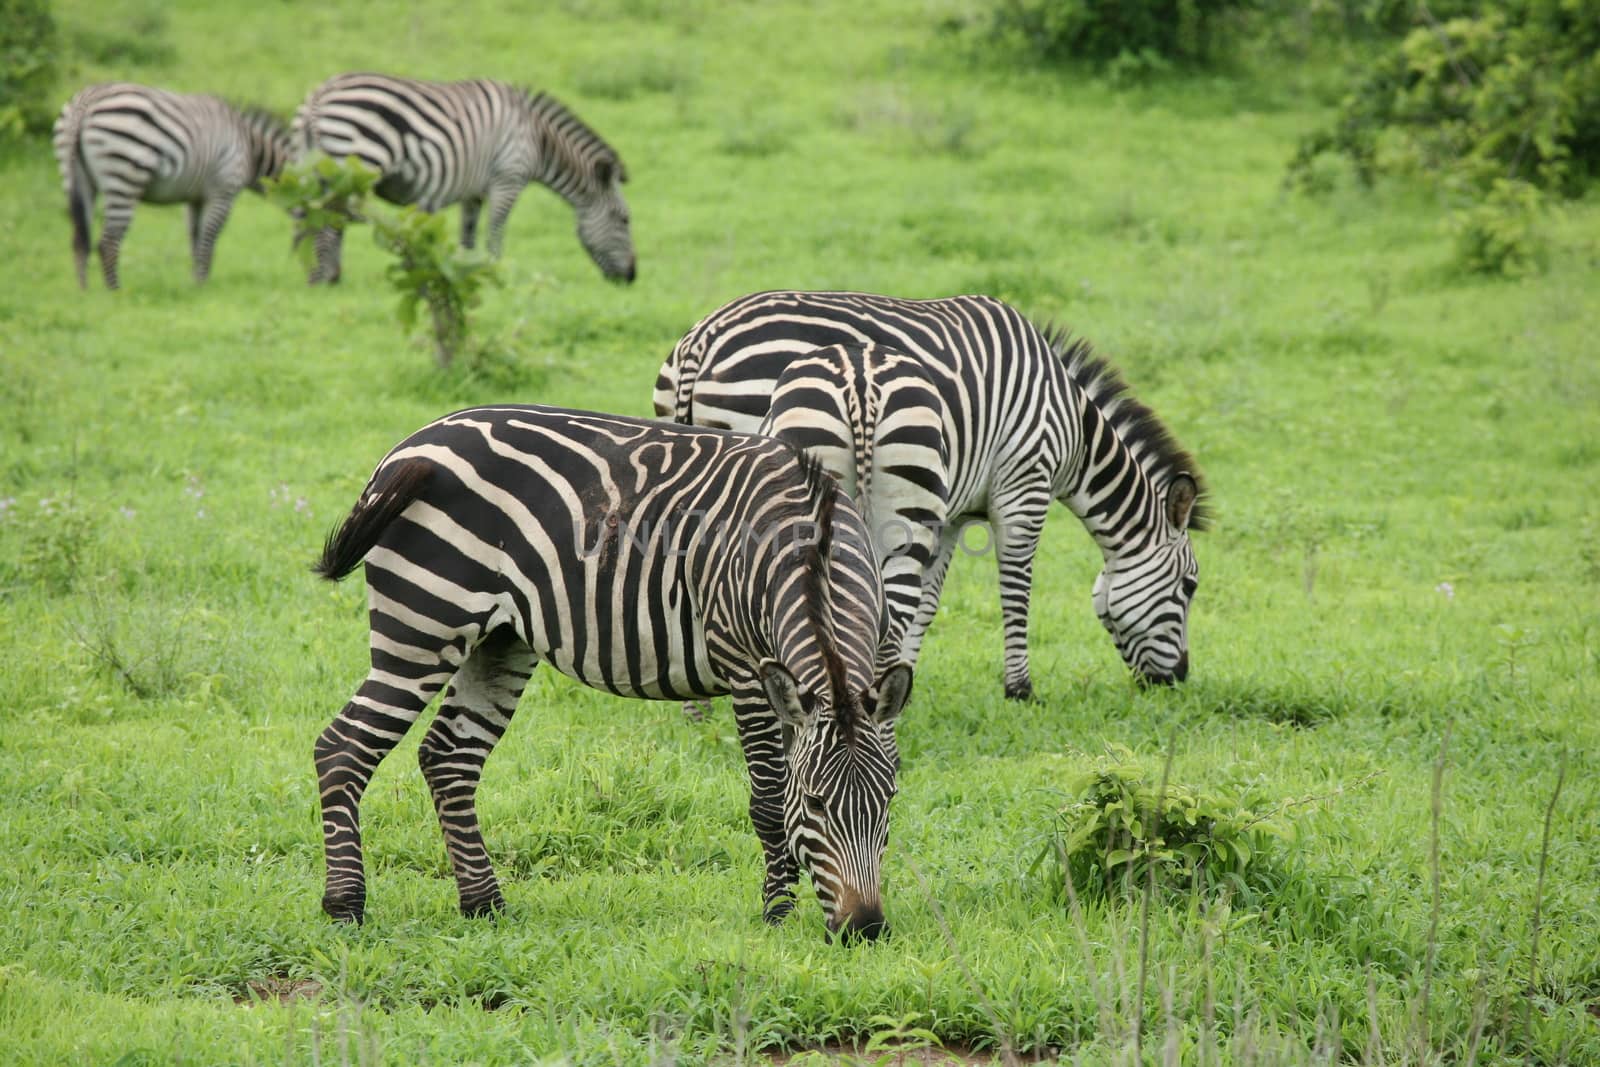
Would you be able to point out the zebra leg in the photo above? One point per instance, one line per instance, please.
(205, 224)
(932, 586)
(696, 710)
(350, 749)
(1017, 513)
(119, 216)
(472, 718)
(471, 208)
(502, 198)
(761, 737)
(328, 244)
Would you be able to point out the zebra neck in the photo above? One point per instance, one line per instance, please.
(1107, 487)
(557, 160)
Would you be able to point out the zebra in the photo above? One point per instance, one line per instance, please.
(643, 559)
(132, 142)
(874, 420)
(437, 143)
(1031, 415)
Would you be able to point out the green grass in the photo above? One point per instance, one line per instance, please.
(1404, 461)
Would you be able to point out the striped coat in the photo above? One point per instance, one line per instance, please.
(473, 142)
(644, 560)
(128, 143)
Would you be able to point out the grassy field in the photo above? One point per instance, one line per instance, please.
(1404, 462)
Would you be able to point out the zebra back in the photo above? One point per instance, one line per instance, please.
(875, 421)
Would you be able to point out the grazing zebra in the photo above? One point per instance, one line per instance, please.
(642, 559)
(436, 143)
(1030, 417)
(131, 143)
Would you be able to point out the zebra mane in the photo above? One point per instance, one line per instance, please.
(1139, 428)
(824, 490)
(586, 147)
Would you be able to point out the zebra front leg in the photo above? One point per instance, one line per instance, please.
(118, 217)
(761, 737)
(471, 208)
(474, 715)
(347, 753)
(327, 243)
(205, 224)
(1017, 514)
(502, 198)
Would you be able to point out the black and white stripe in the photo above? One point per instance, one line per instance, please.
(129, 143)
(469, 142)
(642, 559)
(1030, 418)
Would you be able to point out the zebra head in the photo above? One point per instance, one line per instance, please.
(842, 763)
(603, 222)
(1143, 595)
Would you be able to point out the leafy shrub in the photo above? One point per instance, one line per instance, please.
(1123, 829)
(1512, 92)
(53, 540)
(321, 193)
(430, 270)
(29, 56)
(1500, 235)
(1140, 35)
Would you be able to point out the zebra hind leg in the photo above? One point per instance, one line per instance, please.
(472, 718)
(118, 217)
(347, 754)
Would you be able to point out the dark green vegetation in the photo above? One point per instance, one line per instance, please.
(1404, 461)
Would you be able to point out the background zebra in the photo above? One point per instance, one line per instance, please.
(642, 559)
(1030, 417)
(131, 142)
(437, 143)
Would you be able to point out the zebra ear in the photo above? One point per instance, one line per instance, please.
(783, 693)
(892, 692)
(604, 171)
(1180, 501)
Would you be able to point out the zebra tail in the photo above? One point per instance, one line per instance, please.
(391, 491)
(69, 154)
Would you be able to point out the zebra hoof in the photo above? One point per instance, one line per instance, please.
(1024, 691)
(486, 907)
(777, 911)
(351, 910)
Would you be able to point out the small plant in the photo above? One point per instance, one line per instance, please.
(431, 271)
(56, 536)
(1125, 830)
(1500, 235)
(321, 194)
(1139, 37)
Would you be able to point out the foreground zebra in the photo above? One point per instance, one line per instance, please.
(437, 143)
(131, 142)
(644, 560)
(1030, 418)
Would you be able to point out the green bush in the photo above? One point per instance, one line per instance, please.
(1140, 35)
(1512, 92)
(1500, 235)
(430, 270)
(29, 57)
(1124, 828)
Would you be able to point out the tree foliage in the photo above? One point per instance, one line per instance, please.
(29, 58)
(1131, 32)
(1510, 92)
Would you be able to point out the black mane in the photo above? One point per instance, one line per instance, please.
(1139, 428)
